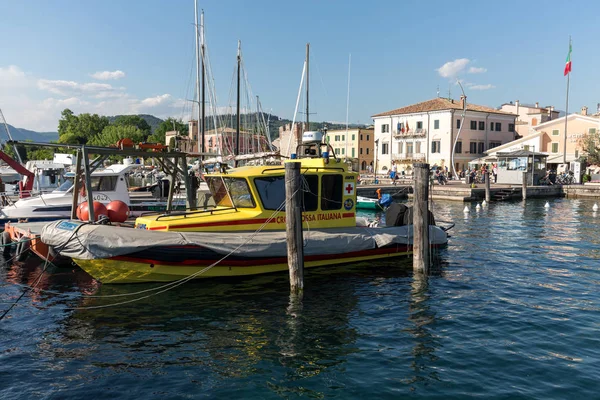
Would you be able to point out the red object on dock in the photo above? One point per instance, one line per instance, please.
(83, 211)
(118, 211)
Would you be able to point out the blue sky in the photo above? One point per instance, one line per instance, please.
(501, 51)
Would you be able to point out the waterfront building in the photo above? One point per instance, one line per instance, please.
(426, 132)
(549, 138)
(529, 115)
(355, 145)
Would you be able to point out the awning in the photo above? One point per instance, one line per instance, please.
(558, 158)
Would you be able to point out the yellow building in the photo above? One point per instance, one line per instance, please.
(355, 145)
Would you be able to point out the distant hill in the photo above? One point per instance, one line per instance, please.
(150, 119)
(26, 134)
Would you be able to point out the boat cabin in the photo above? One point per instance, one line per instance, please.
(253, 197)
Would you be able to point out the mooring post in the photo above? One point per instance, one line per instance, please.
(88, 183)
(421, 218)
(487, 187)
(293, 216)
(172, 185)
(76, 185)
(524, 189)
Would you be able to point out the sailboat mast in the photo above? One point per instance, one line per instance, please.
(203, 101)
(348, 104)
(307, 113)
(237, 128)
(197, 65)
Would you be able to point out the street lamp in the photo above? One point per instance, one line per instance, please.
(376, 157)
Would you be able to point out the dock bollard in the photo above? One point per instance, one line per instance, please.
(293, 216)
(421, 218)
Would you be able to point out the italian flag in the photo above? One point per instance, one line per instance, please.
(568, 63)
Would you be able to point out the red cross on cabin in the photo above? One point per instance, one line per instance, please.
(349, 188)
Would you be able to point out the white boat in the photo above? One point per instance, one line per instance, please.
(108, 184)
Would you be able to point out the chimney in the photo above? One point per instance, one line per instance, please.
(537, 105)
(517, 104)
(463, 98)
(584, 110)
(550, 109)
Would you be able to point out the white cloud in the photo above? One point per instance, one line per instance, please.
(482, 87)
(477, 70)
(155, 101)
(453, 68)
(107, 75)
(67, 88)
(12, 76)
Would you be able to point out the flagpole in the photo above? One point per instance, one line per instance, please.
(567, 110)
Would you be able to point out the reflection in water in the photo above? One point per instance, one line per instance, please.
(510, 311)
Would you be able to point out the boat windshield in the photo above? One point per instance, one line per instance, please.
(238, 189)
(65, 186)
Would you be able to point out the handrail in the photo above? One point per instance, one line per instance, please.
(185, 214)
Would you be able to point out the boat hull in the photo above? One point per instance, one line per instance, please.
(125, 269)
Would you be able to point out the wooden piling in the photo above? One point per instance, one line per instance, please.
(293, 215)
(421, 218)
(487, 187)
(76, 185)
(88, 183)
(524, 188)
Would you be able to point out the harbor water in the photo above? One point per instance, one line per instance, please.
(511, 310)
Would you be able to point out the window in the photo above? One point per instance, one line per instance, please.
(368, 137)
(409, 149)
(576, 154)
(384, 128)
(400, 146)
(555, 147)
(104, 183)
(337, 138)
(343, 151)
(271, 191)
(473, 125)
(458, 124)
(592, 131)
(353, 137)
(480, 147)
(331, 192)
(458, 148)
(353, 151)
(419, 124)
(511, 127)
(343, 138)
(417, 147)
(238, 189)
(361, 138)
(491, 126)
(384, 148)
(435, 146)
(498, 127)
(494, 144)
(555, 132)
(362, 149)
(436, 124)
(482, 125)
(473, 147)
(381, 150)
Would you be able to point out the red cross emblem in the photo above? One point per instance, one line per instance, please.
(349, 188)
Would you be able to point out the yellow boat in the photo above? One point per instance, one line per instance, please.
(244, 232)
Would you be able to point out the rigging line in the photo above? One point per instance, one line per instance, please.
(293, 130)
(321, 79)
(187, 90)
(35, 283)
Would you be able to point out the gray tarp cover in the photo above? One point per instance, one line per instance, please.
(84, 241)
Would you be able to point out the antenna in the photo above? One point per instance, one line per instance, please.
(438, 91)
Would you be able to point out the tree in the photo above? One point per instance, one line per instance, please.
(113, 133)
(134, 120)
(79, 129)
(590, 145)
(170, 124)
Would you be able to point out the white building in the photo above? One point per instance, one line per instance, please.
(426, 132)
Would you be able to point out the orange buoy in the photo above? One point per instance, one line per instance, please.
(118, 211)
(84, 212)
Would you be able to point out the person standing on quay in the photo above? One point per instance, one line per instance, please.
(495, 172)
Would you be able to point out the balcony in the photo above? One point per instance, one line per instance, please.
(409, 157)
(411, 133)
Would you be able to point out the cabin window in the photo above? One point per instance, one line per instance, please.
(271, 191)
(238, 190)
(104, 183)
(331, 192)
